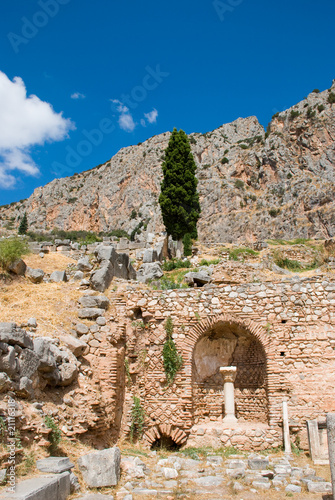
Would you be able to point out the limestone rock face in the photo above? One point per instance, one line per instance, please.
(252, 185)
(101, 468)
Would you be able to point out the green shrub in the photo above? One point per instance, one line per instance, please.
(133, 214)
(119, 233)
(205, 262)
(316, 91)
(192, 140)
(137, 419)
(11, 250)
(274, 212)
(239, 184)
(171, 359)
(331, 98)
(235, 253)
(72, 200)
(187, 243)
(289, 175)
(224, 160)
(55, 435)
(170, 265)
(321, 108)
(310, 113)
(294, 114)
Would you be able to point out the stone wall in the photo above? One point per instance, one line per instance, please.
(285, 350)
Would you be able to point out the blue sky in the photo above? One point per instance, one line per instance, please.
(120, 72)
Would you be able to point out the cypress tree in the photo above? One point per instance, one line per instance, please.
(179, 199)
(23, 227)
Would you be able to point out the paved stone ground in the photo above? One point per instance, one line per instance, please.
(243, 477)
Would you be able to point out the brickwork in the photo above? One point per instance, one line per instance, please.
(281, 337)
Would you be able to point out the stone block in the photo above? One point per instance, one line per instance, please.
(55, 465)
(101, 468)
(58, 276)
(96, 496)
(90, 312)
(51, 487)
(76, 346)
(100, 301)
(35, 275)
(293, 488)
(18, 267)
(258, 463)
(319, 487)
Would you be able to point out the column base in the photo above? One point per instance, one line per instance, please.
(230, 419)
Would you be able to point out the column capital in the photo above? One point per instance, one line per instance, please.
(228, 373)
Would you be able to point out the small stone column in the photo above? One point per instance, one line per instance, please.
(229, 375)
(331, 446)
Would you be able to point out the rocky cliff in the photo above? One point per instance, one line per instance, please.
(253, 184)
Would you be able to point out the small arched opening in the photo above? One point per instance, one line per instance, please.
(229, 343)
(165, 443)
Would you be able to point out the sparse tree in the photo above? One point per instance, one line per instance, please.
(179, 199)
(23, 227)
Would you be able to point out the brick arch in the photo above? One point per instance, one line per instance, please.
(258, 333)
(157, 431)
(255, 329)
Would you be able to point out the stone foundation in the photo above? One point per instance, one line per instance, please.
(247, 436)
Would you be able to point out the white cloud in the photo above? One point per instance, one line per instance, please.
(152, 116)
(126, 120)
(78, 95)
(143, 122)
(25, 121)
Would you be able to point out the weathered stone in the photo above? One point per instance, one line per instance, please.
(11, 334)
(293, 488)
(198, 278)
(50, 487)
(18, 267)
(3, 474)
(84, 264)
(149, 272)
(32, 323)
(96, 496)
(58, 276)
(209, 481)
(102, 278)
(78, 275)
(76, 346)
(54, 464)
(170, 473)
(25, 390)
(5, 382)
(43, 350)
(29, 363)
(101, 468)
(319, 487)
(90, 313)
(68, 373)
(8, 362)
(258, 463)
(81, 329)
(35, 275)
(74, 483)
(100, 301)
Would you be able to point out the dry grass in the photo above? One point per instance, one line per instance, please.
(51, 262)
(52, 304)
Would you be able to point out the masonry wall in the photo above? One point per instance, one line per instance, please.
(293, 320)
